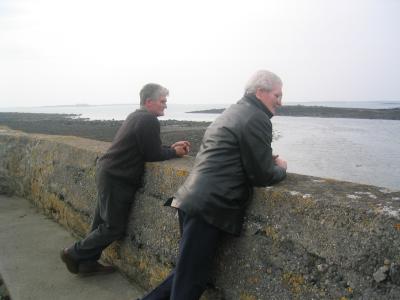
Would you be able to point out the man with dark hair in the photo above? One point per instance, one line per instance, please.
(234, 156)
(119, 174)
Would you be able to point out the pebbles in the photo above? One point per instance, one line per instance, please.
(388, 272)
(381, 274)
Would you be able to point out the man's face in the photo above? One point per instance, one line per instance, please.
(271, 99)
(156, 107)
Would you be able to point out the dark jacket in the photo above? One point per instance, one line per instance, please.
(235, 155)
(136, 141)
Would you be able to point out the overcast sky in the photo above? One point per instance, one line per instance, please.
(99, 52)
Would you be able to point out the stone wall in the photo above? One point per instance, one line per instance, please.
(305, 238)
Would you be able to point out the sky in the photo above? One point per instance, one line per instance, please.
(102, 52)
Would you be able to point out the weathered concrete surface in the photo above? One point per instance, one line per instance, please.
(31, 267)
(306, 238)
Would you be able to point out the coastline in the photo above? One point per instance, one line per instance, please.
(102, 130)
(326, 112)
(364, 141)
(171, 130)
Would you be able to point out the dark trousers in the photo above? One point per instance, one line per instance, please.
(197, 249)
(114, 199)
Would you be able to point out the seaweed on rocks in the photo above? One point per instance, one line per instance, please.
(102, 130)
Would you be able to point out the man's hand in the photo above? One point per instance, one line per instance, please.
(185, 145)
(180, 151)
(279, 161)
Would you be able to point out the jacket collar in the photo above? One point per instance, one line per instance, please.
(253, 100)
(142, 109)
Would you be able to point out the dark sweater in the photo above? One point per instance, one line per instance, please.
(136, 142)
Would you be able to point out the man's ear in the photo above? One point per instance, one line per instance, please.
(258, 93)
(147, 102)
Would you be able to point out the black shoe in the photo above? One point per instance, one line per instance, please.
(89, 268)
(72, 265)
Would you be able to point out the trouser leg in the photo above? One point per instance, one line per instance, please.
(163, 290)
(197, 251)
(110, 218)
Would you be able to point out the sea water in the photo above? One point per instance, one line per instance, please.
(358, 150)
(174, 111)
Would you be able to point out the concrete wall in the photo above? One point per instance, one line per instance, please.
(306, 238)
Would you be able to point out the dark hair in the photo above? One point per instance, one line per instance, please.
(152, 91)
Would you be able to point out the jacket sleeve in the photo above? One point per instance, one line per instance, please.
(256, 153)
(149, 141)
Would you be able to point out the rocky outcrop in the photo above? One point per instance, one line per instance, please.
(305, 238)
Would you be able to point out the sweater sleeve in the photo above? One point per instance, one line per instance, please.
(257, 154)
(149, 141)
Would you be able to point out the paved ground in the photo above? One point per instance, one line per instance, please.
(30, 263)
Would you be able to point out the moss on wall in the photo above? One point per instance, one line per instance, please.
(304, 238)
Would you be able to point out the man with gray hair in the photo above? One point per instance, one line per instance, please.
(119, 174)
(235, 155)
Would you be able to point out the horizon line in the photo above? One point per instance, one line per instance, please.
(135, 104)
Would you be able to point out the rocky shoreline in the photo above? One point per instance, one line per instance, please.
(68, 124)
(171, 130)
(327, 112)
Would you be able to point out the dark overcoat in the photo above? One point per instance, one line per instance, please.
(234, 156)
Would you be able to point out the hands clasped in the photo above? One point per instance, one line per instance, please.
(181, 148)
(279, 161)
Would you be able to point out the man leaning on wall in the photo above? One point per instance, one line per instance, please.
(235, 155)
(119, 174)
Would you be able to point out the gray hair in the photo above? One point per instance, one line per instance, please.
(152, 91)
(262, 79)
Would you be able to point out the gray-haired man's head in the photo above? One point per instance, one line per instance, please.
(153, 98)
(152, 91)
(262, 79)
(267, 88)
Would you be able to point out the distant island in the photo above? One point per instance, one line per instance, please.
(325, 112)
(207, 111)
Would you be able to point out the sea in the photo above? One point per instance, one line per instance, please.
(357, 150)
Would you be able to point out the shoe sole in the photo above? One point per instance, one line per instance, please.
(88, 274)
